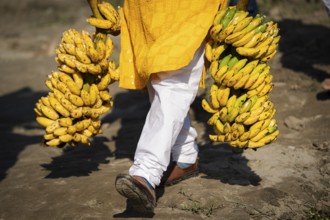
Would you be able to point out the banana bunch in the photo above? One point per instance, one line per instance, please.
(81, 52)
(79, 93)
(242, 121)
(238, 72)
(250, 36)
(109, 20)
(71, 112)
(238, 50)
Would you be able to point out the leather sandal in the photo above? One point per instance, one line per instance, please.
(135, 189)
(174, 174)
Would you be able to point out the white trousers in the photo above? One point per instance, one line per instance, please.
(167, 131)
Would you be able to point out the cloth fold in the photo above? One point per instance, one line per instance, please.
(159, 36)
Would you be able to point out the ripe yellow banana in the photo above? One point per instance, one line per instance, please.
(66, 69)
(254, 40)
(265, 115)
(213, 67)
(219, 127)
(241, 82)
(244, 40)
(205, 105)
(69, 48)
(243, 24)
(101, 49)
(215, 30)
(77, 113)
(103, 24)
(66, 138)
(234, 79)
(85, 96)
(50, 129)
(213, 118)
(218, 17)
(78, 79)
(239, 144)
(231, 102)
(67, 37)
(225, 33)
(93, 94)
(234, 37)
(105, 95)
(108, 12)
(48, 137)
(254, 75)
(248, 52)
(71, 129)
(54, 142)
(256, 21)
(242, 117)
(94, 68)
(104, 81)
(251, 120)
(261, 78)
(60, 131)
(267, 88)
(218, 51)
(233, 114)
(245, 136)
(269, 138)
(65, 122)
(209, 50)
(219, 74)
(238, 17)
(56, 105)
(227, 76)
(49, 112)
(223, 114)
(109, 47)
(266, 58)
(83, 124)
(223, 95)
(43, 121)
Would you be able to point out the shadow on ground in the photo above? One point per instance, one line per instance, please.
(17, 125)
(305, 48)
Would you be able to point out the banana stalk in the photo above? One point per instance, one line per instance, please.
(242, 4)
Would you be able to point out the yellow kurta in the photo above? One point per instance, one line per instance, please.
(161, 35)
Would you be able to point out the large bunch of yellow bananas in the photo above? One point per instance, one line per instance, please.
(79, 93)
(250, 36)
(242, 113)
(109, 20)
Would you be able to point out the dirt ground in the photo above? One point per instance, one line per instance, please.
(288, 179)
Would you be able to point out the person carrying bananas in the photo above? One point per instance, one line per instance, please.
(162, 49)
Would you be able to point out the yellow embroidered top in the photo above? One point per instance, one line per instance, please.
(161, 35)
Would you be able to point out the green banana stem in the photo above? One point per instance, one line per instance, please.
(94, 8)
(96, 13)
(242, 4)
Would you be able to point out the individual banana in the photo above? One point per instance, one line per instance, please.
(218, 51)
(209, 50)
(56, 105)
(248, 52)
(207, 107)
(105, 95)
(212, 120)
(103, 24)
(43, 121)
(223, 95)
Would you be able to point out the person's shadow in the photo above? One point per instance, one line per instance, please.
(305, 49)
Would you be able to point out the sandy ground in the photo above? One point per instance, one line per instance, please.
(288, 179)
